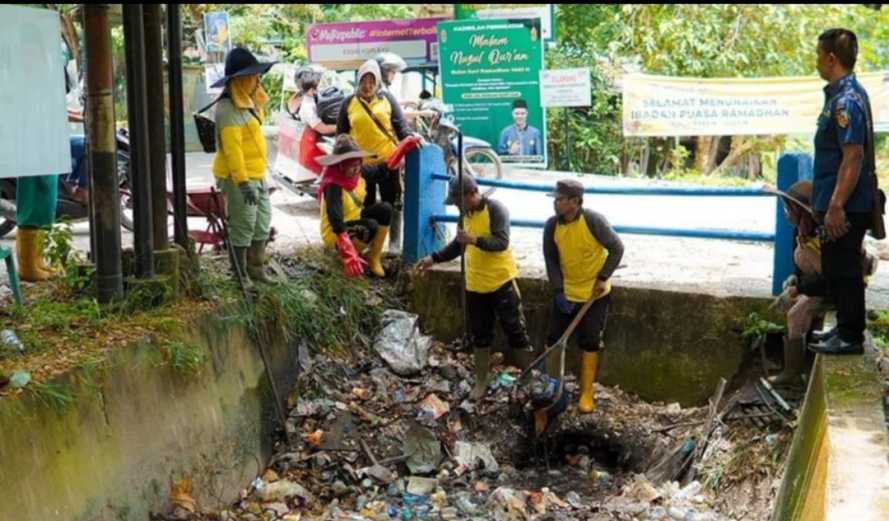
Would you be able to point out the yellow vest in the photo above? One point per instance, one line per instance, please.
(367, 134)
(352, 202)
(486, 271)
(581, 258)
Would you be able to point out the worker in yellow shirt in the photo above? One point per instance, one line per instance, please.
(581, 251)
(491, 289)
(240, 162)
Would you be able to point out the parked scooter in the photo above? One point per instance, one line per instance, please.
(68, 206)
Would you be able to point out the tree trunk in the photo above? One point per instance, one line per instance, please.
(702, 153)
(741, 145)
(69, 33)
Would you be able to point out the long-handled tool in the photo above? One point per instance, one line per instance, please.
(248, 302)
(541, 413)
(463, 249)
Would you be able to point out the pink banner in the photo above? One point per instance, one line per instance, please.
(347, 45)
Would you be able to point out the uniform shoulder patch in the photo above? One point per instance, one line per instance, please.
(842, 117)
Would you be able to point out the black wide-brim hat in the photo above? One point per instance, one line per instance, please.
(241, 62)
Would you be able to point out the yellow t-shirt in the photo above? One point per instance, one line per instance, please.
(367, 134)
(352, 203)
(486, 271)
(581, 258)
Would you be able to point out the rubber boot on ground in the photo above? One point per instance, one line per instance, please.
(589, 367)
(793, 364)
(482, 372)
(256, 262)
(375, 257)
(240, 257)
(27, 252)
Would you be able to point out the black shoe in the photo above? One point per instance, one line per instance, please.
(837, 346)
(821, 336)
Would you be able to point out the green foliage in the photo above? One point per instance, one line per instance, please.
(147, 294)
(57, 244)
(57, 396)
(272, 83)
(322, 309)
(48, 314)
(878, 325)
(182, 357)
(758, 327)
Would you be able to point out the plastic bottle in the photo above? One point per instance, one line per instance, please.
(11, 341)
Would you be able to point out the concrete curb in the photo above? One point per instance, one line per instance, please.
(838, 469)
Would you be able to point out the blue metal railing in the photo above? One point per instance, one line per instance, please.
(642, 230)
(425, 210)
(696, 191)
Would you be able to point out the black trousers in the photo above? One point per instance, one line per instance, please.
(504, 304)
(372, 217)
(388, 182)
(589, 331)
(841, 265)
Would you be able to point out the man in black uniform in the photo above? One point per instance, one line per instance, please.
(843, 192)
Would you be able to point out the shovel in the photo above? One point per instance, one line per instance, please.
(562, 344)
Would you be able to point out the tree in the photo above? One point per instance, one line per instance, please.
(725, 40)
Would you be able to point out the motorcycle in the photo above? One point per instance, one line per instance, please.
(68, 207)
(287, 171)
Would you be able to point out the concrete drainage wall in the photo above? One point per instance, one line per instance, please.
(664, 346)
(135, 425)
(837, 469)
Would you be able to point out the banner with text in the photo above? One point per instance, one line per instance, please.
(490, 74)
(511, 12)
(342, 46)
(667, 106)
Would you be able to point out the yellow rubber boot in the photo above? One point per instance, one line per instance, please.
(589, 367)
(27, 252)
(375, 256)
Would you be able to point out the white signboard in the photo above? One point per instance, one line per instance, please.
(565, 88)
(34, 137)
(213, 72)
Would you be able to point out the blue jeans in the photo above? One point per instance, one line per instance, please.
(78, 162)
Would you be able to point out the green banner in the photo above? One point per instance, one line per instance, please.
(490, 75)
(545, 12)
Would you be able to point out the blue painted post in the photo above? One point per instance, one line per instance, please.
(791, 168)
(423, 198)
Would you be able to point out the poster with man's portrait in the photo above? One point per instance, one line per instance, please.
(216, 29)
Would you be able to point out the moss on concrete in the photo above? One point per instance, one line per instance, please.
(134, 426)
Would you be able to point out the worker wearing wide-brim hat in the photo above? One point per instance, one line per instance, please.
(240, 162)
(582, 251)
(347, 223)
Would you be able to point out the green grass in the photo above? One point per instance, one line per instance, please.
(182, 357)
(57, 396)
(878, 325)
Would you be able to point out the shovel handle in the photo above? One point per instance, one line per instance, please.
(563, 340)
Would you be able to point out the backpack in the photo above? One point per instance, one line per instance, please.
(328, 103)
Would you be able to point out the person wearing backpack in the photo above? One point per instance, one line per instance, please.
(374, 120)
(240, 162)
(307, 79)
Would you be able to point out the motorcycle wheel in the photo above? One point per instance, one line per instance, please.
(7, 192)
